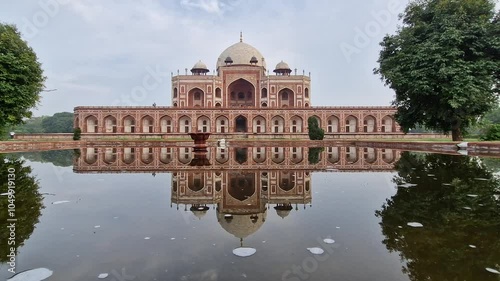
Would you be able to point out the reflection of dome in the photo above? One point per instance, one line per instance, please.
(283, 210)
(241, 54)
(199, 211)
(241, 226)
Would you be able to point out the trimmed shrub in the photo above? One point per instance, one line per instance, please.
(315, 132)
(77, 132)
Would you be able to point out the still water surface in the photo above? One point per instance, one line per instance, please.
(146, 214)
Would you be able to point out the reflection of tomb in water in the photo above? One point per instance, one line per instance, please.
(110, 155)
(166, 155)
(242, 198)
(243, 184)
(351, 155)
(163, 159)
(128, 155)
(185, 155)
(147, 155)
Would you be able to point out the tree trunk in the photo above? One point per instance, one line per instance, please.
(456, 134)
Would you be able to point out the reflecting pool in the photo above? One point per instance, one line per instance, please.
(252, 213)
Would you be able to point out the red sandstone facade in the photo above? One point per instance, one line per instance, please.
(241, 99)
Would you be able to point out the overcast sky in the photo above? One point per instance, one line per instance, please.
(121, 52)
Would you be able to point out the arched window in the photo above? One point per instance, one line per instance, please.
(175, 93)
(197, 96)
(166, 124)
(284, 96)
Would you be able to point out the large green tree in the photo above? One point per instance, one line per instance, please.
(443, 63)
(21, 77)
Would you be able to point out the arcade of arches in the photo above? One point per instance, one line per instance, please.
(265, 121)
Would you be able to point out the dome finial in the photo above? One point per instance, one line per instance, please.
(241, 36)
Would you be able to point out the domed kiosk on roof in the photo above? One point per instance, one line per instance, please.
(282, 68)
(199, 68)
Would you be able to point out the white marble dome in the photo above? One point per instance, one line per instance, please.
(241, 53)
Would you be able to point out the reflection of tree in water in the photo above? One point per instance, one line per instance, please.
(314, 155)
(28, 203)
(493, 164)
(446, 187)
(61, 158)
(241, 155)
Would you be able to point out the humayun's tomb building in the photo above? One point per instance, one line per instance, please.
(241, 99)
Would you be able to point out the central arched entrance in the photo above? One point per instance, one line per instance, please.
(241, 124)
(241, 93)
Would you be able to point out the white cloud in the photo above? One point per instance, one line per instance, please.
(209, 6)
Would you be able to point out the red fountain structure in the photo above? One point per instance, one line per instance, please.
(200, 149)
(200, 141)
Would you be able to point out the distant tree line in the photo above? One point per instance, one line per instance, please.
(486, 128)
(61, 122)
